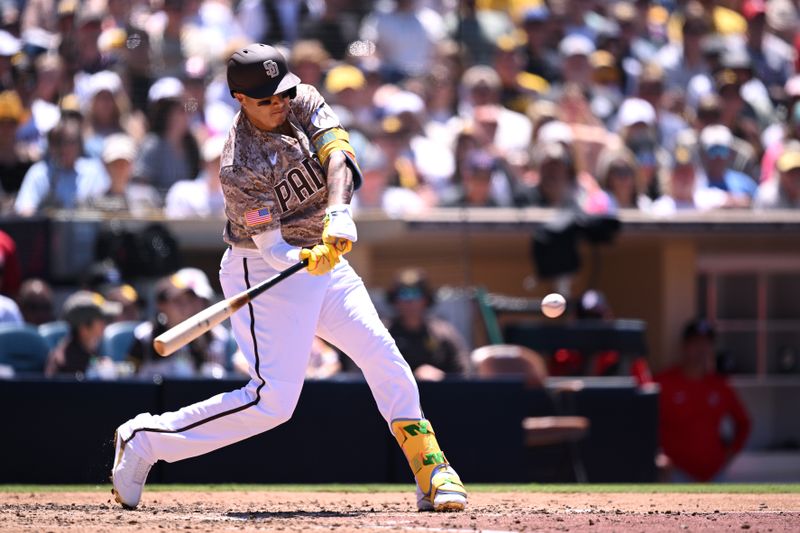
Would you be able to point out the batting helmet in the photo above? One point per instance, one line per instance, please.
(258, 71)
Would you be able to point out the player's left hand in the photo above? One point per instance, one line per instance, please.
(340, 230)
(321, 258)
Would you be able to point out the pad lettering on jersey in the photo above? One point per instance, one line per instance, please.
(300, 182)
(257, 217)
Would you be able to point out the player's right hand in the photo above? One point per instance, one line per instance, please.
(321, 258)
(340, 230)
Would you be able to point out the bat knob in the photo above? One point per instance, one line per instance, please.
(160, 347)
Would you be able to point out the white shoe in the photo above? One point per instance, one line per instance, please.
(127, 475)
(448, 492)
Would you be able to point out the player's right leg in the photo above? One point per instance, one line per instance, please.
(274, 332)
(349, 322)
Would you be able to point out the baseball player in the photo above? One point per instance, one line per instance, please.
(288, 173)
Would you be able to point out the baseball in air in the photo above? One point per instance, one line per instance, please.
(553, 305)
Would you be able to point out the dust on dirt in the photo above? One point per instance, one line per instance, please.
(381, 512)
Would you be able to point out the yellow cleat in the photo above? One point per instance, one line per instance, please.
(438, 486)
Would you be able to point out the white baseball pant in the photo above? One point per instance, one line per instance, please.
(275, 332)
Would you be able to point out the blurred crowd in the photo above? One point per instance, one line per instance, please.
(659, 106)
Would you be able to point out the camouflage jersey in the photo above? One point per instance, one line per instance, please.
(275, 181)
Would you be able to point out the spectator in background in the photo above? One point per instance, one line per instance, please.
(105, 278)
(651, 89)
(175, 301)
(277, 21)
(771, 56)
(64, 179)
(432, 347)
(682, 192)
(433, 162)
(86, 56)
(737, 115)
(345, 85)
(716, 158)
(617, 177)
(14, 162)
(790, 133)
(702, 422)
(86, 313)
(169, 153)
(35, 300)
(556, 184)
(9, 47)
(519, 88)
(782, 192)
(43, 102)
(376, 192)
(575, 50)
(10, 275)
(477, 29)
(709, 113)
(165, 30)
(683, 59)
(119, 151)
(540, 60)
(393, 138)
(474, 187)
(405, 37)
(335, 28)
(636, 123)
(104, 106)
(212, 344)
(201, 197)
(309, 60)
(9, 310)
(606, 90)
(481, 88)
(125, 295)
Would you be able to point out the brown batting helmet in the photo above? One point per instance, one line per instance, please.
(258, 71)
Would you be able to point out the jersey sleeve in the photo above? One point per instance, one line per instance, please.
(313, 113)
(323, 127)
(249, 202)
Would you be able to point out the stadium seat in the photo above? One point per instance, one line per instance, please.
(118, 339)
(53, 332)
(559, 430)
(22, 348)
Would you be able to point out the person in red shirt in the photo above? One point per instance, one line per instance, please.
(703, 424)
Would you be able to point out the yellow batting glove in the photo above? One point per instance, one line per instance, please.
(321, 258)
(340, 230)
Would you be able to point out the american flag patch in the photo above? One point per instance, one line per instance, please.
(256, 217)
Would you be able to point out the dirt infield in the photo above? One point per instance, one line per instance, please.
(381, 512)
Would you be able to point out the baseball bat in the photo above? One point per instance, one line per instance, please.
(196, 325)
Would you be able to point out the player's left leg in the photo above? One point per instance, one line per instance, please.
(274, 332)
(349, 321)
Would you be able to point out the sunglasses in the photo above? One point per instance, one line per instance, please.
(288, 93)
(718, 152)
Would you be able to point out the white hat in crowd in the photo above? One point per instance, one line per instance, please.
(168, 87)
(635, 111)
(9, 45)
(196, 280)
(555, 131)
(576, 44)
(715, 135)
(119, 146)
